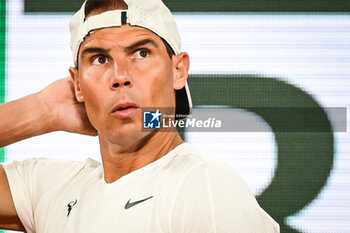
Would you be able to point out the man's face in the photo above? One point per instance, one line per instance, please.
(122, 69)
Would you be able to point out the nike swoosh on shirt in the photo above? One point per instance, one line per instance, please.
(129, 204)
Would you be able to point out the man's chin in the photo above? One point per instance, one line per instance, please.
(128, 135)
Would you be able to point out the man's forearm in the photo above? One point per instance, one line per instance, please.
(24, 118)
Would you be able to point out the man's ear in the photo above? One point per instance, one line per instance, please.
(75, 77)
(181, 65)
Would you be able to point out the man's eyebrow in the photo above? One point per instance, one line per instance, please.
(93, 50)
(141, 43)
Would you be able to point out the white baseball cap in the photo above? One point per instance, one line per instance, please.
(149, 14)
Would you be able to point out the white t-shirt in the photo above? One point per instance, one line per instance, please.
(185, 191)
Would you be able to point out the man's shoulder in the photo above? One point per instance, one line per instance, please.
(191, 154)
(201, 168)
(191, 160)
(37, 177)
(53, 169)
(52, 163)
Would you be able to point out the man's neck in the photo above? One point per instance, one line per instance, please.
(118, 160)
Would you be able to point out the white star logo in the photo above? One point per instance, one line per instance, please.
(156, 115)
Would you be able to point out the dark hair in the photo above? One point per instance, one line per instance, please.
(169, 50)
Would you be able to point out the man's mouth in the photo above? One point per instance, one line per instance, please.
(124, 110)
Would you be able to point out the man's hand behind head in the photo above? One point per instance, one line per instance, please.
(67, 113)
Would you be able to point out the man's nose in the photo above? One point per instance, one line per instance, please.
(120, 77)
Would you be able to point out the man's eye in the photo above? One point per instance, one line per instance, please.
(142, 53)
(99, 60)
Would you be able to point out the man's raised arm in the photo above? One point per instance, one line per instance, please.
(52, 109)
